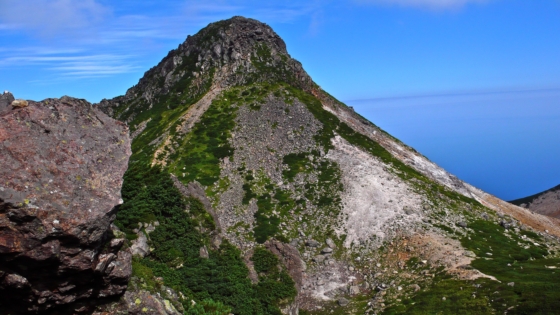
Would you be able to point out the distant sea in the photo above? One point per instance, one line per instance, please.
(506, 143)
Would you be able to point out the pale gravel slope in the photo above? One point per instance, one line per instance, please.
(375, 202)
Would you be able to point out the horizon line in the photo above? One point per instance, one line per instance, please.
(451, 94)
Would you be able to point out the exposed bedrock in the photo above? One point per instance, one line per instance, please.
(61, 171)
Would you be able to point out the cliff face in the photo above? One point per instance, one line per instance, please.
(62, 166)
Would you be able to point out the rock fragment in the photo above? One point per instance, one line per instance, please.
(343, 302)
(19, 103)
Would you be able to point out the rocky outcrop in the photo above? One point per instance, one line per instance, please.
(62, 165)
(291, 259)
(6, 100)
(195, 190)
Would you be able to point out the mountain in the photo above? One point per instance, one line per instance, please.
(62, 166)
(546, 202)
(251, 190)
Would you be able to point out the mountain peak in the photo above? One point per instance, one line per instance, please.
(239, 33)
(233, 52)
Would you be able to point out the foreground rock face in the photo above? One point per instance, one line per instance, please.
(61, 172)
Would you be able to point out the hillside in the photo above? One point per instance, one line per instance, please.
(251, 190)
(545, 203)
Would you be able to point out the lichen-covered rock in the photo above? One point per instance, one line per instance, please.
(140, 245)
(61, 172)
(143, 302)
(20, 103)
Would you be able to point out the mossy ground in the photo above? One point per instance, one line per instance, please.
(526, 285)
(198, 154)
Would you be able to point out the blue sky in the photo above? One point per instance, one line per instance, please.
(472, 84)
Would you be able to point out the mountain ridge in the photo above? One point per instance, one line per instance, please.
(546, 202)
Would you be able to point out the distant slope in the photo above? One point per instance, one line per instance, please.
(546, 202)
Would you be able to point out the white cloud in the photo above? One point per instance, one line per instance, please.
(92, 70)
(52, 17)
(425, 4)
(73, 65)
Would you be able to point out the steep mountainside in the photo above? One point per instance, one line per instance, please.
(546, 202)
(252, 190)
(62, 163)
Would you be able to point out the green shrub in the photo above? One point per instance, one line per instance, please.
(221, 281)
(264, 260)
(208, 307)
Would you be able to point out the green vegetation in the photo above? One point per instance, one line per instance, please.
(199, 154)
(536, 288)
(219, 282)
(266, 223)
(526, 286)
(269, 69)
(270, 199)
(209, 307)
(461, 297)
(274, 284)
(264, 260)
(297, 162)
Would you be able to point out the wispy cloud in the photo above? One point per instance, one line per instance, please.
(53, 17)
(73, 65)
(317, 20)
(84, 38)
(424, 4)
(92, 69)
(6, 27)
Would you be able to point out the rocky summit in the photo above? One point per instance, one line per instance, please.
(250, 190)
(62, 166)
